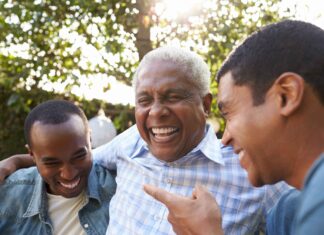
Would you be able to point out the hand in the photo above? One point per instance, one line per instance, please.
(197, 215)
(13, 163)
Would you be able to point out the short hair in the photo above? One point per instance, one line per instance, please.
(52, 112)
(287, 46)
(192, 65)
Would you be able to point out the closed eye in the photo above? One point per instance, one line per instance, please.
(51, 164)
(174, 98)
(144, 101)
(80, 156)
(175, 95)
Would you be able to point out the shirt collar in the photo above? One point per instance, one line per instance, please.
(319, 161)
(209, 146)
(93, 185)
(38, 201)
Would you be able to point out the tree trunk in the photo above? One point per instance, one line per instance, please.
(143, 39)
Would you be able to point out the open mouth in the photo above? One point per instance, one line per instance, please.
(71, 185)
(163, 134)
(163, 131)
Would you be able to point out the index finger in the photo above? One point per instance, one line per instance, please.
(171, 200)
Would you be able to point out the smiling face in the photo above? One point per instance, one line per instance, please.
(62, 155)
(170, 114)
(255, 131)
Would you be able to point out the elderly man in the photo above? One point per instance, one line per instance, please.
(66, 194)
(172, 147)
(271, 92)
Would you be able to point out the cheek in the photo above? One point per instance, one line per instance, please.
(238, 128)
(191, 116)
(48, 175)
(88, 165)
(140, 118)
(140, 115)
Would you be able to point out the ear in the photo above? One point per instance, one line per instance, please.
(290, 90)
(207, 100)
(30, 152)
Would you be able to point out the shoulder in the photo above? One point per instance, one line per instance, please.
(125, 141)
(311, 209)
(315, 174)
(313, 187)
(280, 218)
(104, 178)
(17, 191)
(312, 194)
(130, 135)
(26, 176)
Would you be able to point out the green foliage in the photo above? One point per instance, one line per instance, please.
(44, 43)
(14, 112)
(216, 27)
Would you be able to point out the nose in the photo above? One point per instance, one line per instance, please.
(226, 139)
(158, 109)
(68, 172)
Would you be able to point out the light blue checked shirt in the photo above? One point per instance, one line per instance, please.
(132, 211)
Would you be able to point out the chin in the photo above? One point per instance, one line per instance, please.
(70, 195)
(163, 156)
(256, 181)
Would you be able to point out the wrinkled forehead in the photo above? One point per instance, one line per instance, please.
(161, 71)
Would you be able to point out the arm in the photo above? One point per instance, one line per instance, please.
(106, 156)
(13, 163)
(190, 216)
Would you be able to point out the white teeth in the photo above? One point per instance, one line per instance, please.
(71, 185)
(163, 130)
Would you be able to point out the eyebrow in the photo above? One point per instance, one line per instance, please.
(82, 150)
(142, 93)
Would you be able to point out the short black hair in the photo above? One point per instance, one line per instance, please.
(287, 46)
(52, 112)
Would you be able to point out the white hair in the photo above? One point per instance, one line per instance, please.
(192, 65)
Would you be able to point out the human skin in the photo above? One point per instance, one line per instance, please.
(198, 215)
(170, 113)
(270, 137)
(62, 155)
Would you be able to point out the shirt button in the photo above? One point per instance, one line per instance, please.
(169, 181)
(86, 225)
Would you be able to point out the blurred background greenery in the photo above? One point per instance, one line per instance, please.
(79, 50)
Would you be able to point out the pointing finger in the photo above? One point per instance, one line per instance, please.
(169, 199)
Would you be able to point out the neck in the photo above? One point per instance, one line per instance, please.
(307, 143)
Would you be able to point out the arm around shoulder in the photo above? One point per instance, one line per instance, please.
(13, 163)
